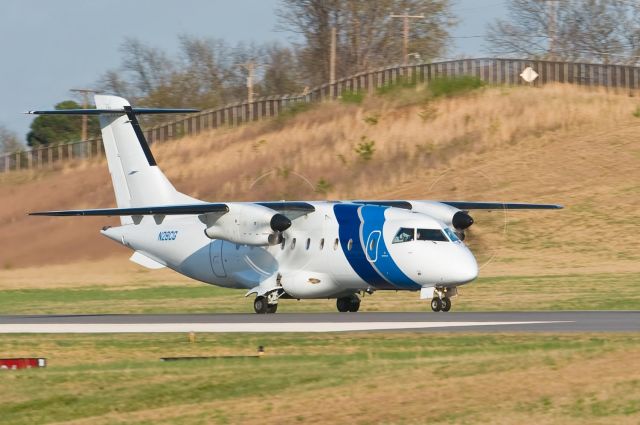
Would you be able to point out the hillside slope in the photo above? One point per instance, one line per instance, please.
(558, 144)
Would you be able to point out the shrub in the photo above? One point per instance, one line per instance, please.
(355, 97)
(451, 86)
(323, 186)
(371, 119)
(365, 148)
(393, 88)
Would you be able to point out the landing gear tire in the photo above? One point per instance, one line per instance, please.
(272, 308)
(436, 304)
(446, 304)
(354, 305)
(260, 305)
(343, 304)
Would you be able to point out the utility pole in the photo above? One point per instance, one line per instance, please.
(405, 33)
(251, 69)
(332, 57)
(552, 14)
(85, 104)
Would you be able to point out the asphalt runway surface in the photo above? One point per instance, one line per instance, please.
(541, 321)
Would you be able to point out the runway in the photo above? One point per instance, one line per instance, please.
(551, 321)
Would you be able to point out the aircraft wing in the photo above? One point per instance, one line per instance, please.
(466, 205)
(152, 210)
(282, 207)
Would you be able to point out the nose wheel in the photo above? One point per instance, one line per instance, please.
(441, 304)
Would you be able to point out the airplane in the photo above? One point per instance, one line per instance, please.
(279, 250)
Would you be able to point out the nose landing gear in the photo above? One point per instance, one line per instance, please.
(441, 304)
(440, 301)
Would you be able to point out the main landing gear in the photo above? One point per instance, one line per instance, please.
(351, 304)
(261, 305)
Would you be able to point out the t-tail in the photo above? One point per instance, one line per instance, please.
(137, 180)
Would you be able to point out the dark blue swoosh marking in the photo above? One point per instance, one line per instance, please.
(349, 229)
(372, 218)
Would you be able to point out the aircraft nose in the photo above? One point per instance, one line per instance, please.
(466, 267)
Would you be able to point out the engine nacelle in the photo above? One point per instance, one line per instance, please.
(451, 216)
(249, 224)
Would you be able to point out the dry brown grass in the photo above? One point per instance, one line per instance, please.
(558, 144)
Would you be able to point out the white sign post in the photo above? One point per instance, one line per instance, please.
(529, 75)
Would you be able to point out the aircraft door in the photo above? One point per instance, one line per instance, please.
(215, 254)
(372, 246)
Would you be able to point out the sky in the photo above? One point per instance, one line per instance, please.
(49, 47)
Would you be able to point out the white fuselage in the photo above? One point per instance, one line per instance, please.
(338, 249)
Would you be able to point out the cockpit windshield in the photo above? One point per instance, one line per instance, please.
(404, 235)
(431, 235)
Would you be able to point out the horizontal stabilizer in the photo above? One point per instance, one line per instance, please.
(192, 209)
(137, 111)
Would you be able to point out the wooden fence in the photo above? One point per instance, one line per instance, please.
(492, 71)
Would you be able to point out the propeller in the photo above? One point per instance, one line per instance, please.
(279, 223)
(461, 221)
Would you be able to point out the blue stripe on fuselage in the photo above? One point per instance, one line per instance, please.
(349, 229)
(372, 218)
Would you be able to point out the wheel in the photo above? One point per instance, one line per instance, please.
(272, 308)
(446, 304)
(354, 304)
(343, 304)
(260, 305)
(436, 304)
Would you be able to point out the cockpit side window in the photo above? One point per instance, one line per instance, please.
(452, 235)
(405, 234)
(431, 235)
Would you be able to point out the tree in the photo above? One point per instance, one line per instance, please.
(9, 142)
(603, 31)
(367, 36)
(281, 71)
(54, 129)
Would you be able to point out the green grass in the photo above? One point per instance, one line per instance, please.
(119, 379)
(554, 292)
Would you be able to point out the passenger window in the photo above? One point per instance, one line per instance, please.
(321, 244)
(308, 243)
(293, 243)
(335, 244)
(283, 243)
(405, 234)
(349, 244)
(432, 235)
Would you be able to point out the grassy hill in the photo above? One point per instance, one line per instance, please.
(558, 144)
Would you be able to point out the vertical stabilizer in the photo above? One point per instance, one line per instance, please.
(137, 180)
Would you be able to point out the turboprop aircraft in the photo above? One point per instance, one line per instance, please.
(280, 249)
